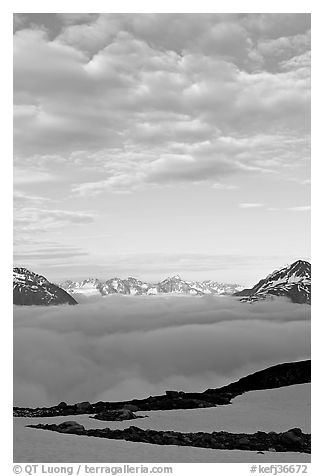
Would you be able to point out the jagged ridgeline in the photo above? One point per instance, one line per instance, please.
(33, 289)
(292, 282)
(134, 286)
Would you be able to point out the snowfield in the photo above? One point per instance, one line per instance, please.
(263, 410)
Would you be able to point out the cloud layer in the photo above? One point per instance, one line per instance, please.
(178, 97)
(119, 347)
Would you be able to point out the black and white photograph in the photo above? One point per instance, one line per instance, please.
(162, 238)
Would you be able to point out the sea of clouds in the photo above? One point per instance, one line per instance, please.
(122, 347)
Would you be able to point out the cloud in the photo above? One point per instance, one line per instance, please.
(251, 205)
(77, 18)
(301, 62)
(52, 253)
(207, 161)
(19, 20)
(32, 219)
(23, 176)
(304, 208)
(130, 347)
(190, 96)
(277, 25)
(20, 198)
(285, 46)
(173, 168)
(66, 216)
(39, 254)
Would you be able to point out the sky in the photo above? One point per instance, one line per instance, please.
(160, 144)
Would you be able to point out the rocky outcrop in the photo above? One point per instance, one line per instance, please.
(83, 407)
(281, 375)
(71, 427)
(291, 373)
(292, 440)
(116, 415)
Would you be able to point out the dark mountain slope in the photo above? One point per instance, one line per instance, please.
(32, 289)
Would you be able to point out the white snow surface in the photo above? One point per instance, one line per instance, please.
(262, 410)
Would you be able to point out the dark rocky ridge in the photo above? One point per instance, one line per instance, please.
(281, 375)
(292, 440)
(290, 373)
(30, 289)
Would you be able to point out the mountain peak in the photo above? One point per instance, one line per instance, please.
(301, 264)
(30, 288)
(292, 281)
(135, 286)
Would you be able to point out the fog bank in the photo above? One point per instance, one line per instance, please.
(122, 347)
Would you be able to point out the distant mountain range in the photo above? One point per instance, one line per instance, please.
(292, 281)
(32, 289)
(134, 286)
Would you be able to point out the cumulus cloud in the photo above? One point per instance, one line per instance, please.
(285, 47)
(163, 88)
(122, 347)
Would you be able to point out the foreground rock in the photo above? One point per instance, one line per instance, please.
(116, 415)
(291, 373)
(71, 427)
(293, 440)
(281, 375)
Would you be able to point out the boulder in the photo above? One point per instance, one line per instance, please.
(172, 393)
(244, 443)
(127, 414)
(131, 407)
(83, 407)
(296, 431)
(290, 438)
(116, 415)
(62, 405)
(70, 427)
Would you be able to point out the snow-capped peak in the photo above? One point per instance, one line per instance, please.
(293, 281)
(135, 286)
(30, 288)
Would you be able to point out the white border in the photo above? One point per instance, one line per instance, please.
(230, 6)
